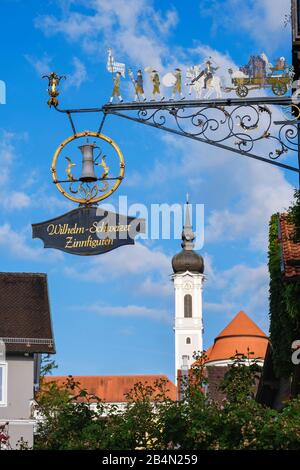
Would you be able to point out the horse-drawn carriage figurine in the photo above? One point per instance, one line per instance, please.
(203, 79)
(259, 73)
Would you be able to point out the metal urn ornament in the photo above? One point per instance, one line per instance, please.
(53, 91)
(89, 173)
(88, 163)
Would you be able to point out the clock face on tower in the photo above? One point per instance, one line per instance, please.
(188, 285)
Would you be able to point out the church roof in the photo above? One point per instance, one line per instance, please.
(113, 388)
(239, 336)
(188, 260)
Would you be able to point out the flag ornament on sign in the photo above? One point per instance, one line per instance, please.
(113, 66)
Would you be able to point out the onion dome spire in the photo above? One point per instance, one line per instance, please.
(187, 259)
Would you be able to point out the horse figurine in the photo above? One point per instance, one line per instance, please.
(190, 75)
(213, 84)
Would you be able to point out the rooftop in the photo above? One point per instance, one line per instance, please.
(25, 319)
(113, 388)
(240, 335)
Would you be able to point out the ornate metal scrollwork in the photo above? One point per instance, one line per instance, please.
(240, 126)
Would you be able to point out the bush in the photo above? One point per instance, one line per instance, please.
(71, 418)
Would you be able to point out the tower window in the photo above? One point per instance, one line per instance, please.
(188, 341)
(188, 306)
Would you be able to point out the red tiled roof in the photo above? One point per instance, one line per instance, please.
(239, 335)
(113, 388)
(290, 250)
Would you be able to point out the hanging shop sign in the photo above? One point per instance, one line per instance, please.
(88, 231)
(87, 168)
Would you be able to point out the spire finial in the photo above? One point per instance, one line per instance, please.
(188, 235)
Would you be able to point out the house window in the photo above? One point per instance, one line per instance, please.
(3, 384)
(188, 341)
(188, 306)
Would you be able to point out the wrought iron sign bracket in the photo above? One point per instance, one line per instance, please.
(237, 125)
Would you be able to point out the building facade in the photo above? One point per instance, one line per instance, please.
(25, 333)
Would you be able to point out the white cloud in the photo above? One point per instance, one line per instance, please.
(218, 307)
(16, 200)
(240, 287)
(263, 191)
(242, 280)
(42, 65)
(16, 244)
(51, 203)
(133, 28)
(6, 156)
(78, 75)
(129, 331)
(127, 311)
(162, 288)
(240, 194)
(135, 260)
(146, 271)
(9, 198)
(261, 20)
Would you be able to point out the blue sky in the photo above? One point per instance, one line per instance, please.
(113, 314)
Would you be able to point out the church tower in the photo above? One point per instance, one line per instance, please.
(188, 277)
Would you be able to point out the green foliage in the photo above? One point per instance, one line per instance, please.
(73, 419)
(280, 325)
(294, 215)
(47, 365)
(284, 297)
(240, 382)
